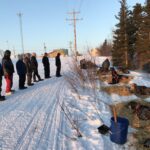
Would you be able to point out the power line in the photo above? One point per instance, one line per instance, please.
(74, 20)
(80, 5)
(67, 4)
(76, 5)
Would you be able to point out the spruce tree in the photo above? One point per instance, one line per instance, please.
(120, 42)
(133, 25)
(143, 38)
(105, 48)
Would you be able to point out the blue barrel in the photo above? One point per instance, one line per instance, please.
(119, 130)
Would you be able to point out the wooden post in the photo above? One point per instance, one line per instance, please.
(115, 114)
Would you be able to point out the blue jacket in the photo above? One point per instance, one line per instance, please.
(21, 67)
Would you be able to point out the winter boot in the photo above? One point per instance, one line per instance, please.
(2, 98)
(8, 93)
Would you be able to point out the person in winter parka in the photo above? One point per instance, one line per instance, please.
(2, 98)
(46, 65)
(115, 76)
(21, 71)
(8, 69)
(105, 65)
(35, 68)
(58, 65)
(28, 69)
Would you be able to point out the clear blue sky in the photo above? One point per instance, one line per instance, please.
(45, 21)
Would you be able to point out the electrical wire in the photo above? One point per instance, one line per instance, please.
(80, 5)
(74, 5)
(67, 5)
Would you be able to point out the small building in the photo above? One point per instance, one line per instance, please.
(63, 52)
(95, 52)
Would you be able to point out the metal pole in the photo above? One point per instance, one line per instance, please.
(70, 46)
(75, 40)
(7, 44)
(21, 31)
(44, 48)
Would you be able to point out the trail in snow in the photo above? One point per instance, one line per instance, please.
(30, 119)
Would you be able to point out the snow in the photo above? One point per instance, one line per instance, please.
(34, 119)
(141, 78)
(147, 99)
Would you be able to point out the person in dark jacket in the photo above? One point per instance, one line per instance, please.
(58, 65)
(115, 76)
(21, 71)
(105, 65)
(35, 68)
(8, 69)
(46, 65)
(2, 98)
(29, 69)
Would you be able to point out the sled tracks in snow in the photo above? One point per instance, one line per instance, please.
(41, 132)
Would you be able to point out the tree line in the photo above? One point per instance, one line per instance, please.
(131, 37)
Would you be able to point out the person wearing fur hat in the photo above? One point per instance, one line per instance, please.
(21, 71)
(35, 68)
(8, 69)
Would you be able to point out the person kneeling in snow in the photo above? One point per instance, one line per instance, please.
(115, 76)
(21, 70)
(105, 65)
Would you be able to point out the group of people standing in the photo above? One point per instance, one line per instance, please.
(27, 69)
(27, 66)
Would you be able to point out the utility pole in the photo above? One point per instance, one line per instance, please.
(74, 20)
(21, 31)
(70, 46)
(14, 52)
(7, 44)
(44, 48)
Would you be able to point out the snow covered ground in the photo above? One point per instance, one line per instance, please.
(35, 118)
